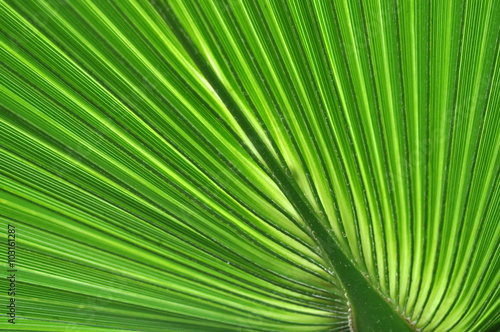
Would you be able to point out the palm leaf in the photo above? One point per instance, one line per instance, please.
(284, 165)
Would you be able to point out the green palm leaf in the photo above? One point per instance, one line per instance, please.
(222, 165)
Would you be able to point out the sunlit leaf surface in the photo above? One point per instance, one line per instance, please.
(230, 165)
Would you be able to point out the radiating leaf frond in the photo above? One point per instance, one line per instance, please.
(223, 165)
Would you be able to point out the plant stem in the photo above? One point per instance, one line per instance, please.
(370, 311)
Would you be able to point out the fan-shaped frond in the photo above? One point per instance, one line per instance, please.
(282, 165)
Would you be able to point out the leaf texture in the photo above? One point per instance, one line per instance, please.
(223, 165)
